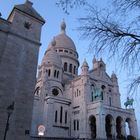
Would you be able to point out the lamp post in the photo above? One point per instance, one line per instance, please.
(10, 109)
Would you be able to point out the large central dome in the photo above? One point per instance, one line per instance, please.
(63, 41)
(65, 48)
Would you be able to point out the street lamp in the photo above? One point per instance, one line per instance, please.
(41, 130)
(10, 109)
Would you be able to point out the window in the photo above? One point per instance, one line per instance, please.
(102, 95)
(74, 124)
(65, 117)
(55, 92)
(60, 50)
(57, 74)
(77, 124)
(27, 25)
(70, 68)
(92, 92)
(65, 66)
(110, 101)
(74, 69)
(56, 116)
(66, 51)
(61, 114)
(37, 91)
(49, 72)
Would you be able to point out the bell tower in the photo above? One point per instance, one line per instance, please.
(20, 36)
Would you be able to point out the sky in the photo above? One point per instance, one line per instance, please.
(53, 16)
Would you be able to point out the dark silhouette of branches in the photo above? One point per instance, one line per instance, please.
(109, 32)
(67, 5)
(127, 4)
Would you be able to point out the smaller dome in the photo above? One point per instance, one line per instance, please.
(51, 56)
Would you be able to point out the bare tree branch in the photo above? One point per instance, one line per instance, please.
(67, 5)
(125, 5)
(107, 34)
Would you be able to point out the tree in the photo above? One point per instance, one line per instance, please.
(114, 32)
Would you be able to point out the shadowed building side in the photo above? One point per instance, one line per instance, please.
(19, 47)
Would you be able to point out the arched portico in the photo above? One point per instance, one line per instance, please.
(92, 125)
(119, 128)
(109, 121)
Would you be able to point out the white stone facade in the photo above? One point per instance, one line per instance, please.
(77, 106)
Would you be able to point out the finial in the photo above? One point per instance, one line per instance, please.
(101, 59)
(28, 3)
(53, 43)
(63, 26)
(85, 63)
(94, 59)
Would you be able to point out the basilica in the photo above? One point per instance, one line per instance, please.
(61, 103)
(68, 105)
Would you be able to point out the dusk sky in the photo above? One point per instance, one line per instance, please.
(53, 16)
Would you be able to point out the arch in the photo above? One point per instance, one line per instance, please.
(119, 122)
(65, 66)
(108, 126)
(92, 124)
(128, 125)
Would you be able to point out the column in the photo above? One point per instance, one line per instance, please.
(114, 130)
(124, 129)
(101, 133)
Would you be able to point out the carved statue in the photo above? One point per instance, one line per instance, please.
(129, 102)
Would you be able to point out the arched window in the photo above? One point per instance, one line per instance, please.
(70, 68)
(92, 92)
(61, 114)
(57, 74)
(110, 101)
(37, 91)
(56, 116)
(66, 117)
(92, 124)
(49, 72)
(74, 124)
(65, 66)
(74, 70)
(77, 124)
